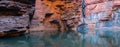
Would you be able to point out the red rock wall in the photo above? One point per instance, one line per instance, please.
(66, 14)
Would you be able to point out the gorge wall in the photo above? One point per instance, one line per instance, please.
(19, 16)
(67, 14)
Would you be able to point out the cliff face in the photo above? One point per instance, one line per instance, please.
(54, 15)
(67, 14)
(103, 13)
(18, 15)
(14, 16)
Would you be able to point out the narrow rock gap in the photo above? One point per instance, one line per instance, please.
(26, 1)
(9, 11)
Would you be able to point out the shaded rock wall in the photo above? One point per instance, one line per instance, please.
(66, 14)
(15, 16)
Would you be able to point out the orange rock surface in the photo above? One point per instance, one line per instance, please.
(65, 14)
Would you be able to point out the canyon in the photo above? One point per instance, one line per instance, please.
(45, 15)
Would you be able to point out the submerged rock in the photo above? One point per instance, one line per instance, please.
(82, 28)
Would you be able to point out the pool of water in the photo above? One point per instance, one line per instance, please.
(96, 38)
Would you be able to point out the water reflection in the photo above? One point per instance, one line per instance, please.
(99, 38)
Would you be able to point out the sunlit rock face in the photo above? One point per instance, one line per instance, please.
(66, 14)
(56, 14)
(103, 13)
(14, 16)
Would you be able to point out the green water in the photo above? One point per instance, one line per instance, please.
(106, 38)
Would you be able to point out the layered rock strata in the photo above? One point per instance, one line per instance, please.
(15, 16)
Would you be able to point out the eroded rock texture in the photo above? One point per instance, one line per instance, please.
(66, 14)
(56, 14)
(103, 13)
(15, 16)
